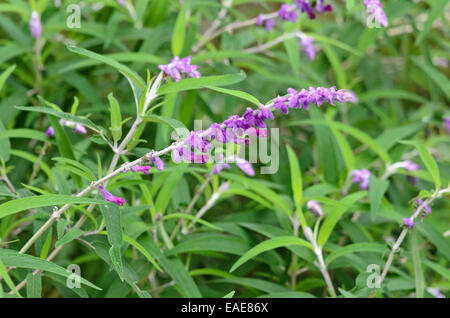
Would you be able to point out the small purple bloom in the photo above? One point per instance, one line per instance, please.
(410, 165)
(50, 131)
(245, 166)
(35, 25)
(270, 24)
(304, 6)
(176, 68)
(321, 8)
(122, 2)
(110, 197)
(159, 164)
(362, 176)
(220, 165)
(138, 168)
(307, 43)
(287, 15)
(409, 222)
(426, 207)
(79, 129)
(435, 292)
(447, 124)
(375, 9)
(279, 103)
(315, 207)
(260, 20)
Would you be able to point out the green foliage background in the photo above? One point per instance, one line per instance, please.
(399, 73)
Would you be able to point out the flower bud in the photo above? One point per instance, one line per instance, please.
(35, 25)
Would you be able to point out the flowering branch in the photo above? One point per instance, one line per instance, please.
(402, 236)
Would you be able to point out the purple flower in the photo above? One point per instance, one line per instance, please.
(362, 176)
(262, 132)
(50, 131)
(321, 8)
(307, 43)
(279, 103)
(122, 2)
(260, 20)
(435, 292)
(304, 6)
(447, 124)
(410, 165)
(197, 142)
(426, 207)
(138, 168)
(315, 207)
(79, 129)
(220, 165)
(159, 164)
(35, 25)
(109, 197)
(245, 166)
(269, 24)
(409, 222)
(176, 68)
(375, 9)
(287, 15)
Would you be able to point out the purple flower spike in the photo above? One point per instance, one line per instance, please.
(35, 25)
(245, 166)
(176, 68)
(447, 124)
(138, 168)
(362, 176)
(409, 222)
(109, 197)
(315, 207)
(375, 9)
(306, 43)
(270, 24)
(50, 131)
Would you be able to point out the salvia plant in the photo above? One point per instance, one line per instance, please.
(220, 148)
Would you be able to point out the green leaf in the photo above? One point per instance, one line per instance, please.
(290, 294)
(229, 295)
(120, 67)
(428, 160)
(141, 249)
(202, 82)
(5, 74)
(87, 172)
(13, 258)
(437, 9)
(355, 248)
(72, 234)
(332, 219)
(26, 203)
(296, 183)
(417, 264)
(166, 193)
(358, 134)
(179, 32)
(439, 79)
(260, 284)
(4, 274)
(375, 94)
(116, 259)
(24, 133)
(376, 192)
(192, 218)
(239, 94)
(116, 118)
(111, 214)
(34, 285)
(5, 145)
(280, 241)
